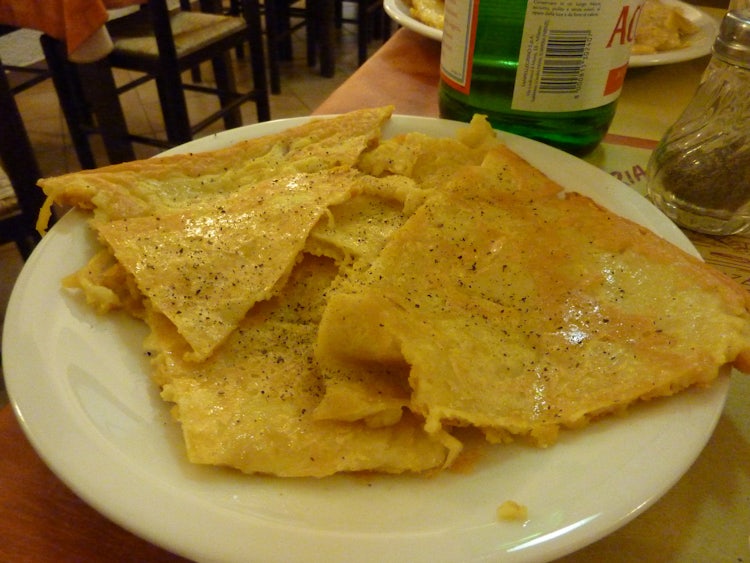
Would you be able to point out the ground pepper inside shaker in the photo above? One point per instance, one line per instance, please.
(699, 175)
(713, 179)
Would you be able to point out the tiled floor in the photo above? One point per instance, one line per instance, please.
(303, 89)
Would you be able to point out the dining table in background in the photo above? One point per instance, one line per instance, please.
(80, 24)
(705, 516)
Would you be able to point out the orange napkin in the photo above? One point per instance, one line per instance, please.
(73, 21)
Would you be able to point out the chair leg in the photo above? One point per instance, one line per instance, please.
(325, 16)
(385, 18)
(251, 13)
(372, 23)
(19, 162)
(26, 246)
(311, 33)
(85, 90)
(338, 13)
(195, 72)
(363, 30)
(226, 84)
(284, 23)
(100, 91)
(272, 40)
(68, 88)
(174, 108)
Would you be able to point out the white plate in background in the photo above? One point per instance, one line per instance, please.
(700, 42)
(398, 11)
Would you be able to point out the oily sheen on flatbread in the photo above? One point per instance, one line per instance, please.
(521, 311)
(204, 268)
(199, 267)
(250, 406)
(169, 183)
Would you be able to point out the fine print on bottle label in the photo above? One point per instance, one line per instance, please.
(573, 54)
(458, 43)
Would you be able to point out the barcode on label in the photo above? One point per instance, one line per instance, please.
(564, 61)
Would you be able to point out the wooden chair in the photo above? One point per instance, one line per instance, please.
(18, 220)
(162, 44)
(371, 20)
(284, 17)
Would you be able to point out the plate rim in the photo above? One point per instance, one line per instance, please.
(399, 13)
(35, 421)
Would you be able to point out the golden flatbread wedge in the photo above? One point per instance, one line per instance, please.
(427, 160)
(357, 229)
(521, 311)
(354, 230)
(204, 268)
(350, 231)
(250, 406)
(165, 184)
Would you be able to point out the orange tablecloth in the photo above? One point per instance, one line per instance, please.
(72, 21)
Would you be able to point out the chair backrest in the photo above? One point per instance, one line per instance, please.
(151, 32)
(152, 21)
(163, 44)
(20, 164)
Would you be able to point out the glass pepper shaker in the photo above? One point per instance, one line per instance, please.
(699, 174)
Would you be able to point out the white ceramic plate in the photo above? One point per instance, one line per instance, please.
(398, 10)
(79, 385)
(700, 43)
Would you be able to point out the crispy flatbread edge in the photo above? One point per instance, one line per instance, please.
(73, 190)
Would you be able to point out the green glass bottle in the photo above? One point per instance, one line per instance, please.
(551, 70)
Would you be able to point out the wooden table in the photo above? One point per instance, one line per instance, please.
(705, 517)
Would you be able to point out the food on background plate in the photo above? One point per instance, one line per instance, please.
(429, 12)
(373, 307)
(662, 27)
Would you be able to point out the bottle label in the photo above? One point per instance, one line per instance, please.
(573, 53)
(457, 50)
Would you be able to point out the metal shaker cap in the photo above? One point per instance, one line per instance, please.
(733, 42)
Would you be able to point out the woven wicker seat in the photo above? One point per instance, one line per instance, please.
(192, 31)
